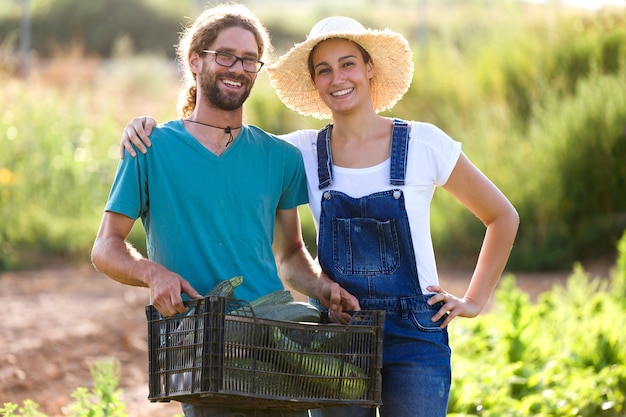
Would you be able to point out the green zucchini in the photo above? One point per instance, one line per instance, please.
(255, 376)
(336, 375)
(327, 341)
(276, 297)
(292, 311)
(240, 333)
(226, 287)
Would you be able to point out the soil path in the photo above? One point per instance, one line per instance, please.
(60, 320)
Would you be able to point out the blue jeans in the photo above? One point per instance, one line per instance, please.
(199, 411)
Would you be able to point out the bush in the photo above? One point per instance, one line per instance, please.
(576, 208)
(98, 26)
(104, 400)
(562, 356)
(545, 121)
(59, 153)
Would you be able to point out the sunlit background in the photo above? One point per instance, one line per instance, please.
(496, 75)
(534, 90)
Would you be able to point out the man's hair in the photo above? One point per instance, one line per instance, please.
(203, 32)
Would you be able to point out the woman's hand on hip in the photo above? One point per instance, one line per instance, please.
(452, 306)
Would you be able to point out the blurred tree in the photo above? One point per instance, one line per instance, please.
(97, 26)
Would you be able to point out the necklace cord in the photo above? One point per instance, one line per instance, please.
(228, 130)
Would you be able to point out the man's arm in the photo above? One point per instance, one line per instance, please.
(300, 272)
(116, 258)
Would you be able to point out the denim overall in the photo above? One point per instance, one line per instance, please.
(365, 245)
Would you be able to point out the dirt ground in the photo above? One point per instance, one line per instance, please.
(58, 321)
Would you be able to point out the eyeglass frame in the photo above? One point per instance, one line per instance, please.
(237, 59)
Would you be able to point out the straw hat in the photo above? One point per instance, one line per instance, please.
(390, 52)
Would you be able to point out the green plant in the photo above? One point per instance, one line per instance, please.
(575, 208)
(560, 356)
(29, 409)
(104, 400)
(98, 26)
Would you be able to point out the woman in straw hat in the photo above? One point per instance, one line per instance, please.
(371, 181)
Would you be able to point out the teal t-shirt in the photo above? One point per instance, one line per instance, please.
(210, 217)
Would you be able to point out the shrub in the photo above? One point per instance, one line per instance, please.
(576, 208)
(98, 25)
(561, 356)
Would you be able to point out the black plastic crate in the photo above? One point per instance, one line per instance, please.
(222, 355)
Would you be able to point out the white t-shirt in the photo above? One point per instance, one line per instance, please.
(432, 155)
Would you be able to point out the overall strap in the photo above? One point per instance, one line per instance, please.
(399, 151)
(324, 157)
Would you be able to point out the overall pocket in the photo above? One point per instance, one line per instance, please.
(365, 246)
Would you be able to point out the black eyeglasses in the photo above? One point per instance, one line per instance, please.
(228, 60)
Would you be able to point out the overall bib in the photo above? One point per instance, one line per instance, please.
(365, 245)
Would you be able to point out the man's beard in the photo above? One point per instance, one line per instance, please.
(218, 98)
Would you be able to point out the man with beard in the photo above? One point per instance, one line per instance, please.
(217, 198)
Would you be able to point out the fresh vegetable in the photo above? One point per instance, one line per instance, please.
(291, 311)
(280, 305)
(238, 332)
(276, 297)
(327, 341)
(252, 375)
(226, 287)
(325, 370)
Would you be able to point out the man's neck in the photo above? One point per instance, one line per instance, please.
(215, 129)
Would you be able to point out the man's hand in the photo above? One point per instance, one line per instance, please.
(119, 260)
(165, 292)
(338, 301)
(136, 132)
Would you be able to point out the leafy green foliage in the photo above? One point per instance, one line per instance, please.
(97, 26)
(104, 400)
(578, 203)
(564, 355)
(28, 409)
(540, 109)
(59, 154)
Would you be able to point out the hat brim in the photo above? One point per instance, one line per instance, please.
(393, 71)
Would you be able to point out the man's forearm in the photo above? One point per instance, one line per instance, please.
(299, 271)
(120, 261)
